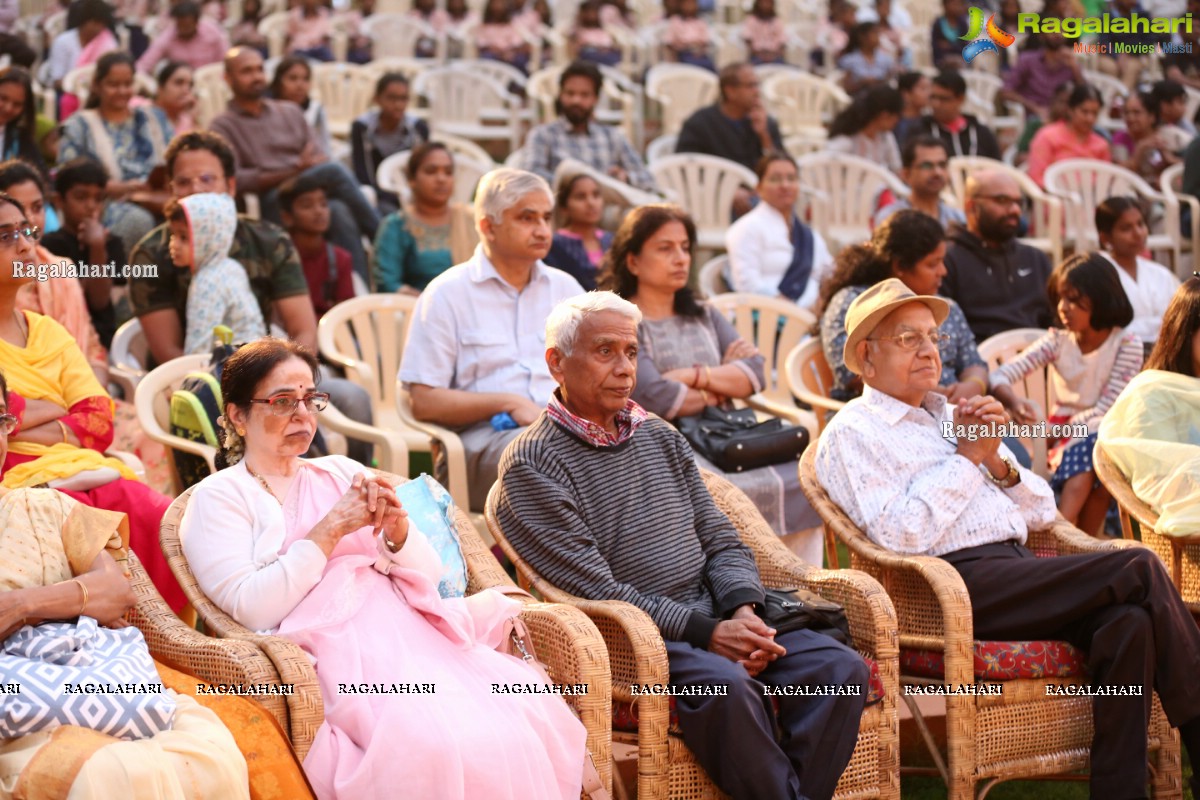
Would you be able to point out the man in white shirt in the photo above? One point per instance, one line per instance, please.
(891, 461)
(475, 356)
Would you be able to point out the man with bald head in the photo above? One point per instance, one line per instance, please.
(999, 282)
(913, 474)
(272, 143)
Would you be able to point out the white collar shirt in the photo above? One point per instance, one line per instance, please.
(474, 332)
(891, 469)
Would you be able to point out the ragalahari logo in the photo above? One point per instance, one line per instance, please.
(980, 43)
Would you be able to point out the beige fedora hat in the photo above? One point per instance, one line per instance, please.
(870, 307)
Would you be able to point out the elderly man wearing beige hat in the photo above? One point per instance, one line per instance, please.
(912, 472)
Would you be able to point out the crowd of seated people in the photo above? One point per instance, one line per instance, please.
(556, 332)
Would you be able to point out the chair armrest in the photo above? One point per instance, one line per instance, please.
(456, 456)
(573, 651)
(125, 378)
(870, 611)
(131, 461)
(393, 455)
(1063, 539)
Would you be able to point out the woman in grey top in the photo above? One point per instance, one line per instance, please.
(691, 357)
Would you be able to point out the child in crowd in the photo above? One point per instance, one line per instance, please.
(591, 42)
(687, 36)
(1091, 358)
(833, 34)
(358, 44)
(310, 30)
(459, 19)
(499, 39)
(79, 192)
(384, 131)
(438, 21)
(764, 34)
(1148, 284)
(245, 32)
(579, 243)
(202, 228)
(327, 267)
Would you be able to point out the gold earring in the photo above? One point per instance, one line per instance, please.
(241, 432)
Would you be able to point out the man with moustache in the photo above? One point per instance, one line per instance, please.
(577, 135)
(999, 282)
(475, 355)
(926, 165)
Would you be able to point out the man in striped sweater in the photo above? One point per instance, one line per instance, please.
(606, 502)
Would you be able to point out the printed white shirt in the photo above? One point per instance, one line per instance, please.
(474, 332)
(889, 467)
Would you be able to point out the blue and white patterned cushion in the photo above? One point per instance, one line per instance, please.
(430, 508)
(101, 663)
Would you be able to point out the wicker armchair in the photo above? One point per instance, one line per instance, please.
(1020, 734)
(666, 768)
(565, 640)
(1181, 554)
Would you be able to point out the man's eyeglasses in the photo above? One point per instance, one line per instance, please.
(201, 183)
(912, 340)
(32, 233)
(8, 423)
(286, 405)
(999, 199)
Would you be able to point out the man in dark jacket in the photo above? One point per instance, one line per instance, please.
(999, 282)
(963, 134)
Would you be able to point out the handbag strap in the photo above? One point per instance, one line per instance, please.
(520, 640)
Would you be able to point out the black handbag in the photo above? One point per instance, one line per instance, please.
(795, 609)
(736, 441)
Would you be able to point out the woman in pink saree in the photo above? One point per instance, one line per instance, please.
(319, 551)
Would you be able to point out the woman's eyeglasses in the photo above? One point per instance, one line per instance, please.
(32, 233)
(286, 405)
(8, 423)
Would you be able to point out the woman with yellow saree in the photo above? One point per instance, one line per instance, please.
(64, 416)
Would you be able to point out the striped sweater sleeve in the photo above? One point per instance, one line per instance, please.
(1037, 355)
(1126, 365)
(543, 523)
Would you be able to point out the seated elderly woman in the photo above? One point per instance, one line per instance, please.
(691, 357)
(910, 246)
(64, 416)
(321, 552)
(61, 579)
(1152, 432)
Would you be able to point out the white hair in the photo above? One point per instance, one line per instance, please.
(562, 326)
(502, 188)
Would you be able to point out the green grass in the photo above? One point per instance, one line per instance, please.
(915, 787)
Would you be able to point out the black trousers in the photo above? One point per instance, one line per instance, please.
(1118, 606)
(734, 737)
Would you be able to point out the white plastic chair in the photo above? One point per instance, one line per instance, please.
(129, 354)
(704, 186)
(849, 189)
(775, 327)
(212, 92)
(396, 36)
(1004, 347)
(712, 277)
(1084, 183)
(985, 87)
(346, 90)
(680, 89)
(661, 147)
(1171, 184)
(459, 99)
(810, 379)
(1046, 211)
(803, 104)
(274, 27)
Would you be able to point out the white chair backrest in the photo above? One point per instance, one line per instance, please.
(712, 276)
(396, 35)
(848, 189)
(680, 89)
(365, 336)
(467, 172)
(705, 186)
(346, 90)
(129, 348)
(152, 401)
(772, 325)
(1083, 184)
(212, 92)
(274, 28)
(661, 146)
(1004, 347)
(457, 96)
(803, 103)
(810, 379)
(407, 66)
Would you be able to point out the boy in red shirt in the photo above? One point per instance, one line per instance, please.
(327, 267)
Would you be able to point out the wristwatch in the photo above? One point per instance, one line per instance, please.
(1010, 479)
(391, 546)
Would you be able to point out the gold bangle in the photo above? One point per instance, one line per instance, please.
(983, 387)
(707, 376)
(84, 589)
(62, 426)
(704, 396)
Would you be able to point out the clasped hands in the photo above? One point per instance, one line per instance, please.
(370, 500)
(747, 640)
(981, 410)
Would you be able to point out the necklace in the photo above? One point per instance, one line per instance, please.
(22, 329)
(265, 485)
